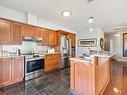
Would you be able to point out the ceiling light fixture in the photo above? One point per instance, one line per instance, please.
(89, 1)
(117, 35)
(91, 29)
(66, 13)
(90, 20)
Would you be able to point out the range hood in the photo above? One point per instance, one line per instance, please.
(32, 39)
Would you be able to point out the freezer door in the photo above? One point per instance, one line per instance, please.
(65, 62)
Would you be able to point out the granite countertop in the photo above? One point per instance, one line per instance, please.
(14, 56)
(88, 60)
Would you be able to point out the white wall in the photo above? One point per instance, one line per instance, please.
(87, 35)
(12, 14)
(120, 45)
(116, 43)
(22, 17)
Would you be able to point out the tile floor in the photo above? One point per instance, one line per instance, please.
(54, 83)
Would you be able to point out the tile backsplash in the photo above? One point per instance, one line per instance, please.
(25, 47)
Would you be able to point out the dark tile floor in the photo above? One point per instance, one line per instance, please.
(54, 83)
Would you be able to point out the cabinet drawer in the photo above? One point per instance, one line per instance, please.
(53, 56)
(52, 62)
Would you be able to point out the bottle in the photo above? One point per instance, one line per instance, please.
(18, 52)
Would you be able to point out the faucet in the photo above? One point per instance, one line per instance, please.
(89, 51)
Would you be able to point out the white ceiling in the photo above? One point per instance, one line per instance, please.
(105, 12)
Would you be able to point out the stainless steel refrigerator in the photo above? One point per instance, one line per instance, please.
(65, 49)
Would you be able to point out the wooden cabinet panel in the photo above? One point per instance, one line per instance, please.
(35, 32)
(5, 71)
(52, 61)
(17, 69)
(82, 77)
(51, 38)
(16, 34)
(26, 30)
(11, 70)
(45, 36)
(4, 32)
(73, 38)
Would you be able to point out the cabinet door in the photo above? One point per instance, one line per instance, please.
(17, 69)
(45, 36)
(4, 32)
(36, 32)
(26, 30)
(73, 39)
(16, 36)
(52, 38)
(5, 71)
(52, 62)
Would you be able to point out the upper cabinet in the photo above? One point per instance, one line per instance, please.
(36, 32)
(73, 38)
(67, 35)
(16, 34)
(45, 36)
(26, 30)
(52, 38)
(10, 32)
(4, 32)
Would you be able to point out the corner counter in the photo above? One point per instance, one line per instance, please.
(90, 77)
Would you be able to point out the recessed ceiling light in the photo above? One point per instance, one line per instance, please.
(66, 13)
(90, 20)
(117, 35)
(91, 29)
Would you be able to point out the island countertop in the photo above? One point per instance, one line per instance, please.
(90, 59)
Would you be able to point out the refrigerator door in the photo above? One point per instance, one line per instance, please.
(63, 46)
(65, 52)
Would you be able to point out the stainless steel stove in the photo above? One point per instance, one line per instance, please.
(34, 66)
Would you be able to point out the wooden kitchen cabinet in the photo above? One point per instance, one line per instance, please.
(17, 69)
(45, 36)
(73, 38)
(52, 62)
(4, 32)
(52, 38)
(35, 32)
(5, 71)
(11, 70)
(26, 30)
(10, 32)
(16, 34)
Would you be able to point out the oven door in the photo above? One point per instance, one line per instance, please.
(34, 65)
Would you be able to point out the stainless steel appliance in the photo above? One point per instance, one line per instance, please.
(34, 66)
(65, 49)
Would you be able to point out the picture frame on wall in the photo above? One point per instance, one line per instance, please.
(125, 44)
(92, 42)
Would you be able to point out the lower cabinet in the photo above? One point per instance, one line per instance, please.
(11, 70)
(5, 71)
(52, 62)
(17, 69)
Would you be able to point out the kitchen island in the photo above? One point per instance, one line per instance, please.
(90, 77)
